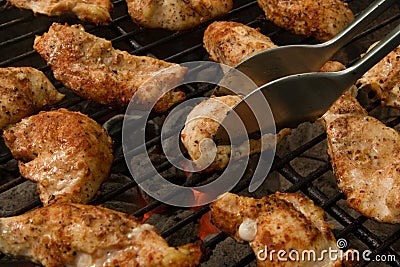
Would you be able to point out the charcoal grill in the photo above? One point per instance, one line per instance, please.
(301, 164)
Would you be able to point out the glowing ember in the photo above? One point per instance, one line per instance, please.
(146, 216)
(206, 227)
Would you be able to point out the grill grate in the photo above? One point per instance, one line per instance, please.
(17, 31)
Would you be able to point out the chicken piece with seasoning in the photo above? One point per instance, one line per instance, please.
(93, 69)
(23, 92)
(202, 124)
(286, 222)
(92, 11)
(66, 234)
(177, 14)
(322, 19)
(365, 157)
(66, 153)
(384, 79)
(229, 42)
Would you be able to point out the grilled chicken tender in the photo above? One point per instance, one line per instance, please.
(93, 11)
(23, 92)
(176, 14)
(322, 19)
(231, 42)
(202, 124)
(66, 234)
(365, 157)
(66, 153)
(384, 79)
(93, 69)
(282, 221)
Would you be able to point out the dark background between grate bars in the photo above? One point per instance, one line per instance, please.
(301, 164)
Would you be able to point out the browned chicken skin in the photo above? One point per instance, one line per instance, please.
(24, 91)
(176, 14)
(322, 19)
(231, 42)
(66, 234)
(66, 153)
(365, 157)
(91, 67)
(93, 11)
(282, 221)
(384, 79)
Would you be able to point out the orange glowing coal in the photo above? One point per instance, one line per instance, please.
(146, 216)
(206, 227)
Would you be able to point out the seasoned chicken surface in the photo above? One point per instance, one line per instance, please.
(332, 66)
(365, 157)
(384, 79)
(66, 153)
(322, 19)
(91, 67)
(202, 124)
(24, 91)
(282, 221)
(66, 234)
(231, 42)
(93, 11)
(176, 14)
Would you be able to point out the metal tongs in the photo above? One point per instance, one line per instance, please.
(302, 97)
(275, 63)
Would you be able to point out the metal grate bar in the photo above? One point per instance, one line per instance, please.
(362, 233)
(189, 219)
(175, 35)
(11, 184)
(15, 22)
(32, 205)
(352, 225)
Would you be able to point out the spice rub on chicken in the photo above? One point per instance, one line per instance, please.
(201, 126)
(384, 79)
(93, 69)
(66, 234)
(322, 19)
(23, 92)
(66, 153)
(231, 42)
(365, 157)
(281, 221)
(176, 14)
(93, 11)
